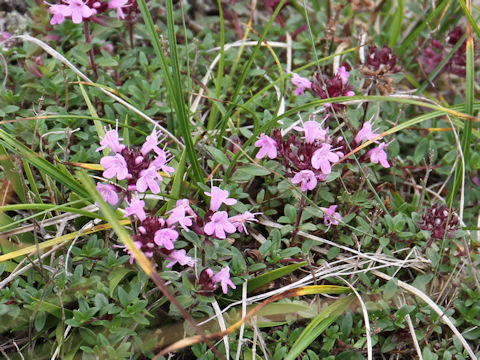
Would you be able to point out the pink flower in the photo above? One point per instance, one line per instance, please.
(306, 178)
(365, 133)
(223, 277)
(160, 162)
(219, 224)
(239, 220)
(178, 215)
(267, 146)
(343, 74)
(5, 35)
(148, 180)
(322, 158)
(301, 83)
(166, 237)
(112, 141)
(313, 131)
(181, 257)
(78, 10)
(219, 197)
(114, 166)
(186, 205)
(136, 208)
(151, 142)
(378, 155)
(108, 193)
(117, 5)
(350, 93)
(58, 14)
(330, 217)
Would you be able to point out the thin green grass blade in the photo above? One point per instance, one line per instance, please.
(396, 24)
(318, 325)
(173, 84)
(416, 32)
(41, 164)
(273, 275)
(268, 277)
(243, 75)
(93, 113)
(470, 18)
(178, 176)
(181, 107)
(221, 63)
(440, 66)
(469, 102)
(45, 209)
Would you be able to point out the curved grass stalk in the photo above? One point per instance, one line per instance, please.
(47, 208)
(469, 101)
(60, 116)
(302, 291)
(49, 243)
(434, 307)
(63, 60)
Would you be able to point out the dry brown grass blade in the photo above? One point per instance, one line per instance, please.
(6, 189)
(305, 290)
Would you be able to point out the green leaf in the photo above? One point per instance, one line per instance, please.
(253, 170)
(271, 276)
(420, 151)
(123, 296)
(321, 322)
(10, 109)
(115, 277)
(218, 155)
(39, 321)
(88, 336)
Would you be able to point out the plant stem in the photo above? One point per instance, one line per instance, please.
(299, 217)
(130, 33)
(88, 40)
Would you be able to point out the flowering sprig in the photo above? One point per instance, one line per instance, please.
(142, 170)
(79, 11)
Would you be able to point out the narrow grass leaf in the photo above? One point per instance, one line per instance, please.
(469, 102)
(270, 276)
(416, 32)
(319, 324)
(173, 84)
(49, 243)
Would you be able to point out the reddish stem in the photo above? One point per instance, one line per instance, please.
(88, 40)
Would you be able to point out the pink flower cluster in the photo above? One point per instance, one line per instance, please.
(78, 10)
(140, 170)
(137, 167)
(218, 223)
(311, 160)
(325, 87)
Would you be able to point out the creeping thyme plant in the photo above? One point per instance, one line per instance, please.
(239, 180)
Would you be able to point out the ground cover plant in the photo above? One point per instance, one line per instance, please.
(239, 180)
